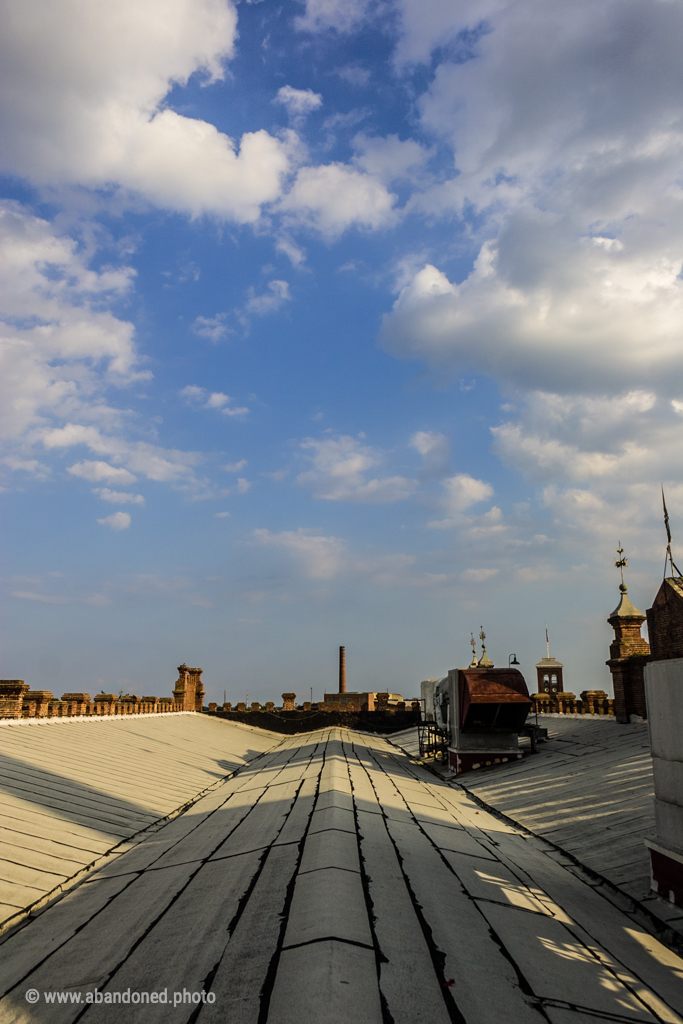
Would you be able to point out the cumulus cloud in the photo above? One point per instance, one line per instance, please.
(212, 327)
(161, 464)
(82, 102)
(62, 353)
(340, 469)
(535, 312)
(318, 557)
(462, 491)
(116, 521)
(354, 74)
(321, 558)
(477, 575)
(432, 446)
(118, 497)
(567, 142)
(334, 197)
(29, 595)
(298, 102)
(96, 471)
(270, 301)
(32, 466)
(388, 158)
(340, 15)
(584, 438)
(201, 398)
(235, 467)
(59, 349)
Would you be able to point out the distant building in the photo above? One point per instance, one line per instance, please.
(549, 676)
(360, 700)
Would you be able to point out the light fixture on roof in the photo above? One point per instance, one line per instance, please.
(512, 660)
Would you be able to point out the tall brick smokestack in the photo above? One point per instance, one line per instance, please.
(342, 670)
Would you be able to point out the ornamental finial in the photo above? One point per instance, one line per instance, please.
(621, 563)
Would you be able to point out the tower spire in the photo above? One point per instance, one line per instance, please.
(484, 661)
(473, 642)
(625, 608)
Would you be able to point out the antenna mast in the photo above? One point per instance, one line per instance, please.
(675, 571)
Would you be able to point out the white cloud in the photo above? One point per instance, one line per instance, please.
(62, 353)
(339, 473)
(389, 159)
(567, 142)
(217, 400)
(334, 197)
(462, 491)
(354, 74)
(565, 317)
(83, 90)
(432, 446)
(270, 301)
(221, 515)
(321, 558)
(32, 466)
(243, 485)
(294, 253)
(584, 438)
(318, 557)
(298, 102)
(59, 349)
(340, 15)
(193, 395)
(161, 464)
(212, 327)
(200, 397)
(116, 521)
(119, 497)
(477, 575)
(96, 471)
(28, 595)
(235, 467)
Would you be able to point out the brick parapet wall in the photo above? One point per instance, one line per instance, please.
(591, 702)
(17, 701)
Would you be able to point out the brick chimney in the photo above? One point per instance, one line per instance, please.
(189, 692)
(342, 670)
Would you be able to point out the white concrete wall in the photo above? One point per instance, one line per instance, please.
(664, 696)
(427, 690)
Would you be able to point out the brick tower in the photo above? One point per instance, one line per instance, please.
(628, 653)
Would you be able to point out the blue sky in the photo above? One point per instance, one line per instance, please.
(334, 323)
